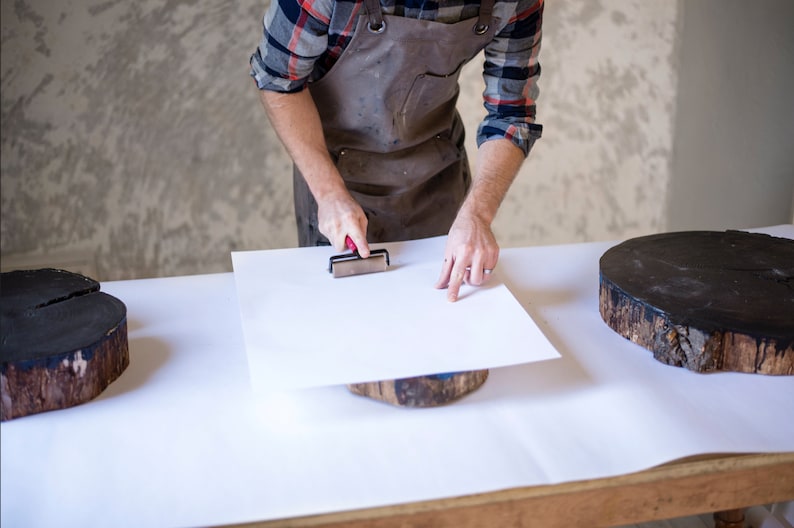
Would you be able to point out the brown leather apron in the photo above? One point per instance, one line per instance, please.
(390, 123)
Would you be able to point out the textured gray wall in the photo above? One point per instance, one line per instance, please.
(733, 163)
(133, 144)
(607, 100)
(132, 134)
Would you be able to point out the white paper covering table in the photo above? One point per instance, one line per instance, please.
(179, 440)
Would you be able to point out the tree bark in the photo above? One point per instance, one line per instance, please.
(422, 391)
(704, 300)
(63, 341)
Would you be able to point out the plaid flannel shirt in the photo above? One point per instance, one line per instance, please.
(303, 39)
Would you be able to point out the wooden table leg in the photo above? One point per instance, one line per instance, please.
(729, 519)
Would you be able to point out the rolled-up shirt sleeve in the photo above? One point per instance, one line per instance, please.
(295, 35)
(511, 73)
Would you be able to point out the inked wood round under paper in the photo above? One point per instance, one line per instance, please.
(422, 391)
(704, 300)
(63, 341)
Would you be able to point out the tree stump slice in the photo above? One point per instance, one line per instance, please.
(422, 391)
(704, 300)
(63, 341)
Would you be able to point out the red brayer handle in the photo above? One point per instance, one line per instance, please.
(350, 244)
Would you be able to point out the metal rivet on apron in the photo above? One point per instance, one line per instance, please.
(379, 29)
(480, 29)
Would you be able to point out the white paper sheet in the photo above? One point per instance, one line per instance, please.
(303, 328)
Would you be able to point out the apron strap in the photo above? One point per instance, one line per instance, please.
(484, 19)
(377, 25)
(374, 15)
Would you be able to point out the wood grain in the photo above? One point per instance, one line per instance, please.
(686, 487)
(422, 391)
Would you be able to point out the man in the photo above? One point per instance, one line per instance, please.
(362, 94)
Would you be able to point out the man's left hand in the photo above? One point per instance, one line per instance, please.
(470, 255)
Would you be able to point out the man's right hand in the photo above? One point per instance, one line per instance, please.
(297, 122)
(340, 216)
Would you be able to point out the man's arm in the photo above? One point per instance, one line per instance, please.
(505, 137)
(295, 118)
(471, 243)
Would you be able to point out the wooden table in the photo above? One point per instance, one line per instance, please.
(687, 487)
(177, 440)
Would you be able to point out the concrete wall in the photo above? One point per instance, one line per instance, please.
(733, 162)
(133, 144)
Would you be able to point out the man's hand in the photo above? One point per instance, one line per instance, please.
(339, 215)
(472, 251)
(470, 255)
(297, 122)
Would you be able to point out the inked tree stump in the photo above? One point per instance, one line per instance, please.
(422, 391)
(704, 300)
(63, 341)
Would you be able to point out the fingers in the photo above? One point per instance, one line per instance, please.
(342, 230)
(358, 238)
(454, 273)
(446, 272)
(477, 275)
(457, 277)
(470, 256)
(360, 242)
(340, 218)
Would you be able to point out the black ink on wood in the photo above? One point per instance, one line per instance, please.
(704, 300)
(62, 341)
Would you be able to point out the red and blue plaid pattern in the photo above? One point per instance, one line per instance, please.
(303, 39)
